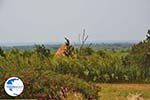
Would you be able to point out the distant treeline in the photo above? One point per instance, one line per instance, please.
(93, 45)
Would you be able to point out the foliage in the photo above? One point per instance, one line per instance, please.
(69, 51)
(42, 83)
(2, 52)
(148, 36)
(42, 51)
(48, 77)
(103, 69)
(140, 53)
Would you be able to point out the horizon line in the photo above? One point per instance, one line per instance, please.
(58, 43)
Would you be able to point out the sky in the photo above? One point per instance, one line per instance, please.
(49, 21)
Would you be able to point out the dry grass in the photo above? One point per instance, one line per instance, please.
(135, 97)
(74, 96)
(118, 92)
(122, 91)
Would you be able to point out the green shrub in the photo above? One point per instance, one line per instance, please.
(48, 85)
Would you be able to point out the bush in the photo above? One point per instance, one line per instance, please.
(108, 69)
(47, 77)
(48, 85)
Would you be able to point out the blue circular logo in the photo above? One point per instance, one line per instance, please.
(14, 86)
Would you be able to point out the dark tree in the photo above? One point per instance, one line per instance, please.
(140, 53)
(148, 35)
(2, 52)
(42, 51)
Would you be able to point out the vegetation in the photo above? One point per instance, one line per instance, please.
(124, 91)
(140, 53)
(46, 76)
(37, 72)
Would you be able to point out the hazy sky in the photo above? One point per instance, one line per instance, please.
(41, 21)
